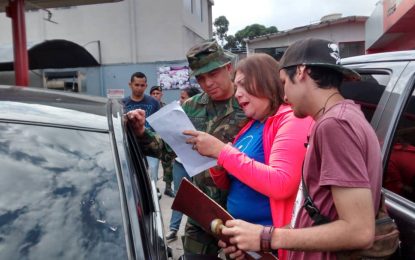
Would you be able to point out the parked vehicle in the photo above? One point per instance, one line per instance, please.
(386, 94)
(74, 183)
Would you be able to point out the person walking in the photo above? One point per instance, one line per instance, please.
(262, 169)
(214, 111)
(342, 167)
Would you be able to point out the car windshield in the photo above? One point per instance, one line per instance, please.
(59, 195)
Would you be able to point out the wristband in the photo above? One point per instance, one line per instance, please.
(266, 236)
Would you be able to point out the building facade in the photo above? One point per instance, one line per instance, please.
(123, 37)
(348, 32)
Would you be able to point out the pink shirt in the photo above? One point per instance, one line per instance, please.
(283, 140)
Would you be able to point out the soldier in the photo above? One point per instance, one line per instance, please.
(157, 93)
(216, 111)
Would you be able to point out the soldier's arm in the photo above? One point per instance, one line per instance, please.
(152, 145)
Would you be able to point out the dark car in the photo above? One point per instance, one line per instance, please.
(73, 181)
(386, 94)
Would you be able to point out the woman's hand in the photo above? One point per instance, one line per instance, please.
(137, 118)
(244, 235)
(232, 251)
(204, 143)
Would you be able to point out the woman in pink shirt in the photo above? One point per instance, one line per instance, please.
(266, 155)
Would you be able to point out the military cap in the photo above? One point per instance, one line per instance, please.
(153, 88)
(207, 56)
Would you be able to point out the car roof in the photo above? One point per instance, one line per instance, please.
(381, 57)
(63, 109)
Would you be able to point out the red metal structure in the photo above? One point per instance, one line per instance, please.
(15, 9)
(390, 27)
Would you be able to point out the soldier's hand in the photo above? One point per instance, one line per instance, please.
(244, 235)
(137, 118)
(204, 143)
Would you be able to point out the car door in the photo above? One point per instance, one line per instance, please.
(386, 94)
(147, 202)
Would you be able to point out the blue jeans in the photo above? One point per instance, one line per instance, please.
(178, 174)
(153, 168)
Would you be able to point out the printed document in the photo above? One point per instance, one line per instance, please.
(170, 122)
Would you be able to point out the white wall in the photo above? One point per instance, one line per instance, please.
(345, 32)
(130, 31)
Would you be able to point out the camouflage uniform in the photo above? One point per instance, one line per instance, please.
(167, 172)
(222, 119)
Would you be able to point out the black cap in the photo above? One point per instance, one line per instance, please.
(156, 88)
(316, 52)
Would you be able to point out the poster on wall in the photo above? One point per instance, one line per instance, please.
(173, 77)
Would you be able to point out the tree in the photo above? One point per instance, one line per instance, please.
(231, 42)
(253, 30)
(221, 28)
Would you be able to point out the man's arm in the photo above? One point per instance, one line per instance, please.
(354, 229)
(150, 143)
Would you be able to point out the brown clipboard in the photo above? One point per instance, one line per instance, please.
(192, 202)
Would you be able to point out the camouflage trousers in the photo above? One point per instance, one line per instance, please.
(197, 241)
(167, 171)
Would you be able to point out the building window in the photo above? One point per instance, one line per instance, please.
(349, 49)
(201, 10)
(276, 53)
(188, 5)
(198, 8)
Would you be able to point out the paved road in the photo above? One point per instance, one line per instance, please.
(165, 204)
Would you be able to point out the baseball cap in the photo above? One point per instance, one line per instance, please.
(155, 88)
(207, 56)
(316, 52)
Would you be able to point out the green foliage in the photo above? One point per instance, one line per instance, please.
(221, 27)
(253, 30)
(231, 42)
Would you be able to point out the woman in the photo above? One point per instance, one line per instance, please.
(262, 169)
(187, 93)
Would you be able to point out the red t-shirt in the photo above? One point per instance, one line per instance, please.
(343, 151)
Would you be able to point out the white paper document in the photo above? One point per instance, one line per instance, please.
(170, 122)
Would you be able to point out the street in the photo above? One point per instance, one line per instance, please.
(165, 204)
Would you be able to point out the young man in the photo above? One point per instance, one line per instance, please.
(215, 111)
(342, 168)
(157, 93)
(139, 100)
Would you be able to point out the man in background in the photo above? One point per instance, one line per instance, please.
(139, 100)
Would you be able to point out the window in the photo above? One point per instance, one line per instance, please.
(366, 92)
(276, 53)
(59, 195)
(349, 49)
(400, 170)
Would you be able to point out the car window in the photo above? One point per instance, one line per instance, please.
(59, 195)
(366, 92)
(142, 193)
(400, 170)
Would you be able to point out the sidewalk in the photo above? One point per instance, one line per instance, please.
(165, 204)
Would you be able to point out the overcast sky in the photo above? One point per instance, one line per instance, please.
(286, 14)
